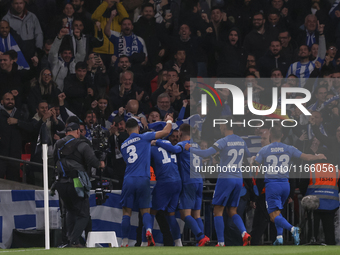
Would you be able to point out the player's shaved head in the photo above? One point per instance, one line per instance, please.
(276, 132)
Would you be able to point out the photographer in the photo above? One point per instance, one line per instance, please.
(73, 155)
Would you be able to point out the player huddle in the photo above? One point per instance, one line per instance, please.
(179, 185)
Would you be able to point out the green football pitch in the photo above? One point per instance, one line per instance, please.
(323, 250)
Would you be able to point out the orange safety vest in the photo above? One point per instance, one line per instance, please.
(323, 183)
(152, 174)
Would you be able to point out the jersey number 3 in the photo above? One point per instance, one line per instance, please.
(131, 150)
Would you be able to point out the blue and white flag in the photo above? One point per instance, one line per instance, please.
(10, 44)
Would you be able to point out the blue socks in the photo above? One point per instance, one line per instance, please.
(239, 223)
(125, 226)
(148, 220)
(219, 228)
(200, 224)
(192, 224)
(282, 222)
(174, 228)
(279, 229)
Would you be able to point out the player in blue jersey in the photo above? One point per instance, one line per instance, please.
(165, 195)
(274, 160)
(229, 183)
(192, 185)
(136, 151)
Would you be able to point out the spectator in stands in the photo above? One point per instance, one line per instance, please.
(251, 60)
(164, 105)
(64, 63)
(90, 121)
(151, 32)
(120, 95)
(220, 24)
(154, 115)
(303, 68)
(171, 78)
(101, 106)
(78, 90)
(43, 89)
(84, 16)
(27, 26)
(273, 59)
(11, 123)
(309, 35)
(231, 59)
(15, 80)
(123, 64)
(116, 164)
(180, 64)
(96, 73)
(8, 42)
(319, 95)
(330, 58)
(126, 42)
(47, 115)
(289, 46)
(257, 41)
(102, 14)
(89, 42)
(43, 55)
(68, 17)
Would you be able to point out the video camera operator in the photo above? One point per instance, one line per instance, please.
(73, 155)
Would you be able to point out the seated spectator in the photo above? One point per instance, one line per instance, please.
(83, 15)
(28, 27)
(65, 62)
(8, 42)
(11, 124)
(43, 89)
(102, 14)
(126, 42)
(120, 95)
(78, 90)
(96, 73)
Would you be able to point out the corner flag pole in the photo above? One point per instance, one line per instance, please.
(44, 139)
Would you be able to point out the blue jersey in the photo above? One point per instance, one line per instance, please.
(276, 157)
(232, 149)
(187, 163)
(136, 151)
(165, 164)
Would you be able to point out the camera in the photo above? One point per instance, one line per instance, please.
(100, 140)
(101, 196)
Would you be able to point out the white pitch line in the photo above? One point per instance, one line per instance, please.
(22, 250)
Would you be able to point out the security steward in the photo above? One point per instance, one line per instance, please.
(73, 155)
(322, 182)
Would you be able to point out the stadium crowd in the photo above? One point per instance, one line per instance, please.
(106, 61)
